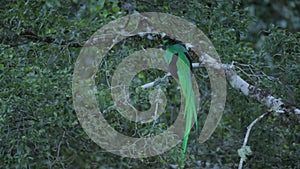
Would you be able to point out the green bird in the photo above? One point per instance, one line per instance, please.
(180, 67)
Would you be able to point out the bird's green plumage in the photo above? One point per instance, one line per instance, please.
(183, 65)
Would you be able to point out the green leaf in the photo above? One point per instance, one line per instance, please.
(141, 75)
(244, 152)
(115, 9)
(1, 66)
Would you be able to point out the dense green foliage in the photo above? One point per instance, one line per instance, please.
(40, 41)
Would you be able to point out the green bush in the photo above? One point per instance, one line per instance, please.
(40, 41)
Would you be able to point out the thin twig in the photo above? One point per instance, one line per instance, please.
(249, 128)
(159, 80)
(156, 82)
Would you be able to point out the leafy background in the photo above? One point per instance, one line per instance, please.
(40, 41)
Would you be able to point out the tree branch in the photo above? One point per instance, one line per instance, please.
(277, 105)
(258, 94)
(33, 37)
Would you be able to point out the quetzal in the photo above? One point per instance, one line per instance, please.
(180, 67)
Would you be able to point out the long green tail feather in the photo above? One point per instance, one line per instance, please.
(184, 76)
(190, 111)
